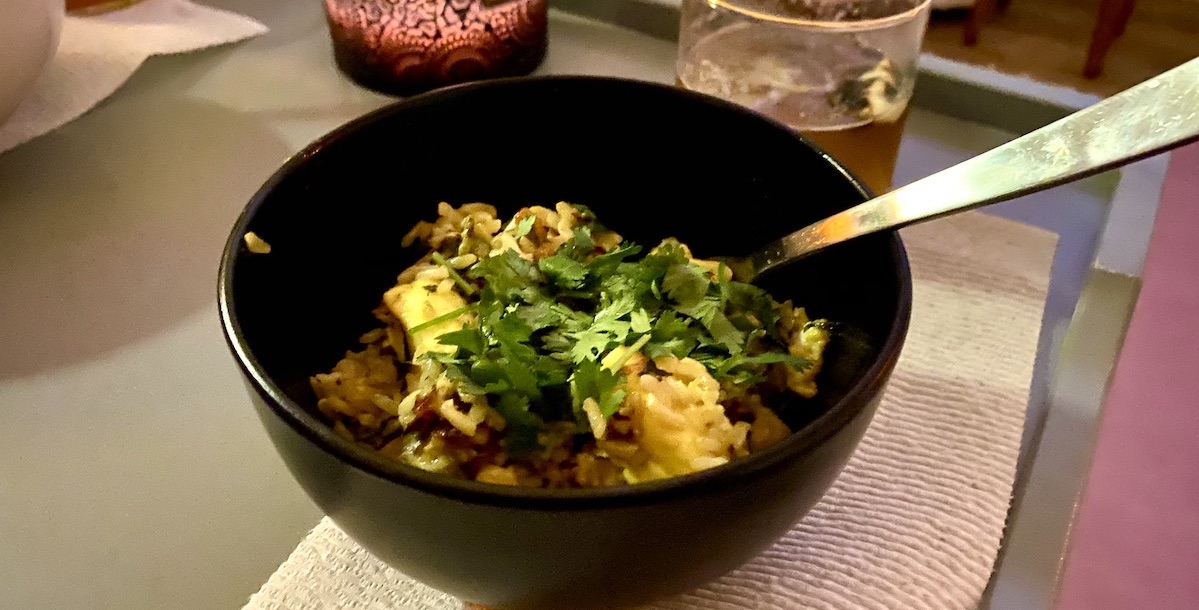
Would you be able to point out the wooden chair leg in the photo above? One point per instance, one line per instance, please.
(1126, 8)
(979, 13)
(1105, 33)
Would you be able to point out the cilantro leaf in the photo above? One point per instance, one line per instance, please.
(580, 246)
(639, 321)
(520, 435)
(607, 330)
(563, 270)
(511, 330)
(669, 326)
(590, 380)
(687, 284)
(490, 376)
(536, 316)
(753, 301)
(469, 339)
(742, 360)
(524, 226)
(605, 264)
(669, 252)
(671, 335)
(509, 276)
(704, 310)
(724, 333)
(610, 403)
(626, 287)
(589, 346)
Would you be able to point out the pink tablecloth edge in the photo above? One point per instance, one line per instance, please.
(1135, 542)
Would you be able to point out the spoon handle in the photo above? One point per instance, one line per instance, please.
(1155, 115)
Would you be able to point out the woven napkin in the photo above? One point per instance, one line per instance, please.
(915, 519)
(98, 53)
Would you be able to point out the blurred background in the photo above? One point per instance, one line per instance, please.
(1049, 40)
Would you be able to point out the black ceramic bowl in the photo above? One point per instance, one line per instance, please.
(652, 161)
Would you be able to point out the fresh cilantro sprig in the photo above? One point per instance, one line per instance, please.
(543, 328)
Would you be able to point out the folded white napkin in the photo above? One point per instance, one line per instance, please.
(98, 53)
(916, 518)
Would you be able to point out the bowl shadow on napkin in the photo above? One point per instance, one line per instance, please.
(115, 234)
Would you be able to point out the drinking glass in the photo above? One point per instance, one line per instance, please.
(841, 72)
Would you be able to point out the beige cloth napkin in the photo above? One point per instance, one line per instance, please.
(913, 522)
(97, 54)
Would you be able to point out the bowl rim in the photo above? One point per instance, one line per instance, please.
(370, 461)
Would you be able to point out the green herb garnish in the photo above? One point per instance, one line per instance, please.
(524, 226)
(454, 275)
(445, 317)
(544, 328)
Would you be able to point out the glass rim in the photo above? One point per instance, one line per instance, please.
(821, 24)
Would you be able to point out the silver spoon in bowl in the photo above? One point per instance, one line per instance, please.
(1156, 115)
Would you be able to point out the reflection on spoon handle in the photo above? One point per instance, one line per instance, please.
(1158, 114)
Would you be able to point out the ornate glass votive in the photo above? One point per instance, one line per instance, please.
(404, 47)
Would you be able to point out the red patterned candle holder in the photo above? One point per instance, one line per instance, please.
(403, 47)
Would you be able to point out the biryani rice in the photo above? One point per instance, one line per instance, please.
(675, 417)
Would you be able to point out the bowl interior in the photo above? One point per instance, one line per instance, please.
(652, 161)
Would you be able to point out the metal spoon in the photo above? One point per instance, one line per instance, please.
(1156, 115)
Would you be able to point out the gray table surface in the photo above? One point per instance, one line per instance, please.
(133, 473)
